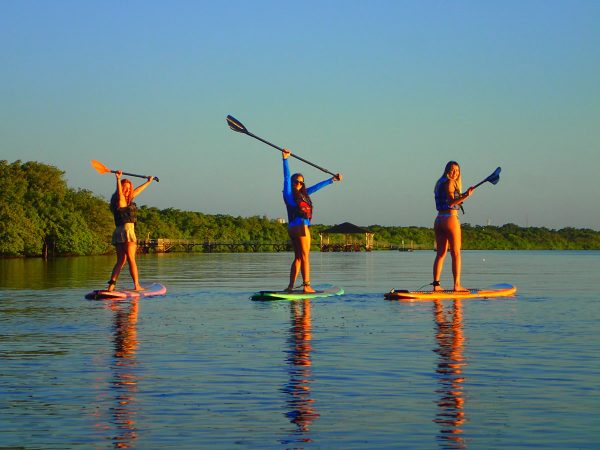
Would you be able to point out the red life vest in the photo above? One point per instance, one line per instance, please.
(304, 206)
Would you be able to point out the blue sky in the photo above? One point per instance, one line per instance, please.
(385, 92)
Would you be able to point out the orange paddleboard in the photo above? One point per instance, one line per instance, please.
(497, 290)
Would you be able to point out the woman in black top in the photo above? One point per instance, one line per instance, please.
(123, 238)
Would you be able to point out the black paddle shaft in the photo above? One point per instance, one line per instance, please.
(236, 125)
(292, 154)
(493, 178)
(135, 175)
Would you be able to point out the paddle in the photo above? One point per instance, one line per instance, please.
(101, 168)
(493, 178)
(237, 126)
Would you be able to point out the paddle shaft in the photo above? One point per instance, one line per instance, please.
(135, 175)
(480, 183)
(292, 155)
(493, 178)
(101, 168)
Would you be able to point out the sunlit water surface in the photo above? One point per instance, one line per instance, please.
(205, 367)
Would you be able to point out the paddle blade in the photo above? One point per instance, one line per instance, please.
(495, 177)
(236, 125)
(100, 168)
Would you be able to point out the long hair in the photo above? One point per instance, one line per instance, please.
(114, 200)
(304, 206)
(302, 191)
(447, 169)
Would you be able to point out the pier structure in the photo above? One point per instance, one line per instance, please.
(355, 238)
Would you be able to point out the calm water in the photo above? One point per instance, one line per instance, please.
(205, 367)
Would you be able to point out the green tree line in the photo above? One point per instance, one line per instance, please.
(505, 237)
(41, 216)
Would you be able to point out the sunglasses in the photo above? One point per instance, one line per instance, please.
(298, 182)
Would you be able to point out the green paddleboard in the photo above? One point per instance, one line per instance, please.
(296, 294)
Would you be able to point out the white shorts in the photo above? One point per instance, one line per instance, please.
(124, 233)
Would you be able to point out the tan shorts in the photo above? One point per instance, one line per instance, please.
(124, 233)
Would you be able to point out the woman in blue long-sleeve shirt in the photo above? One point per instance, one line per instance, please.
(299, 209)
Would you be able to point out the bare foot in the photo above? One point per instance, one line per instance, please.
(437, 288)
(289, 289)
(460, 289)
(111, 287)
(308, 290)
(138, 288)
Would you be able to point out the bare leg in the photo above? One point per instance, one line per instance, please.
(456, 269)
(441, 246)
(455, 241)
(305, 261)
(300, 236)
(121, 259)
(296, 263)
(133, 270)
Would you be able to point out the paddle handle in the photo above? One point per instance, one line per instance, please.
(292, 155)
(136, 175)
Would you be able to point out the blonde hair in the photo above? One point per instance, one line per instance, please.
(458, 181)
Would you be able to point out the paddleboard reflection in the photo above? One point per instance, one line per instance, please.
(124, 381)
(301, 406)
(450, 346)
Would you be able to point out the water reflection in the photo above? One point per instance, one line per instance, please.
(124, 382)
(301, 406)
(37, 273)
(450, 346)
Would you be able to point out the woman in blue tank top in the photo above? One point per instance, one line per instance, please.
(448, 199)
(299, 209)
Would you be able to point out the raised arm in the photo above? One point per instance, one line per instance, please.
(121, 202)
(287, 179)
(141, 187)
(323, 183)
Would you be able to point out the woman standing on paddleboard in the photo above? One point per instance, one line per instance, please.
(299, 209)
(123, 238)
(448, 199)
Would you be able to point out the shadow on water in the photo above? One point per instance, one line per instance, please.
(450, 347)
(300, 404)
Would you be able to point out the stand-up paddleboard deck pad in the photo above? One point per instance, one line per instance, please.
(149, 291)
(497, 290)
(296, 294)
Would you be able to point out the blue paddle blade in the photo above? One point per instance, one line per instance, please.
(495, 177)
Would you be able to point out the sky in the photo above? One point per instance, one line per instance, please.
(383, 92)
